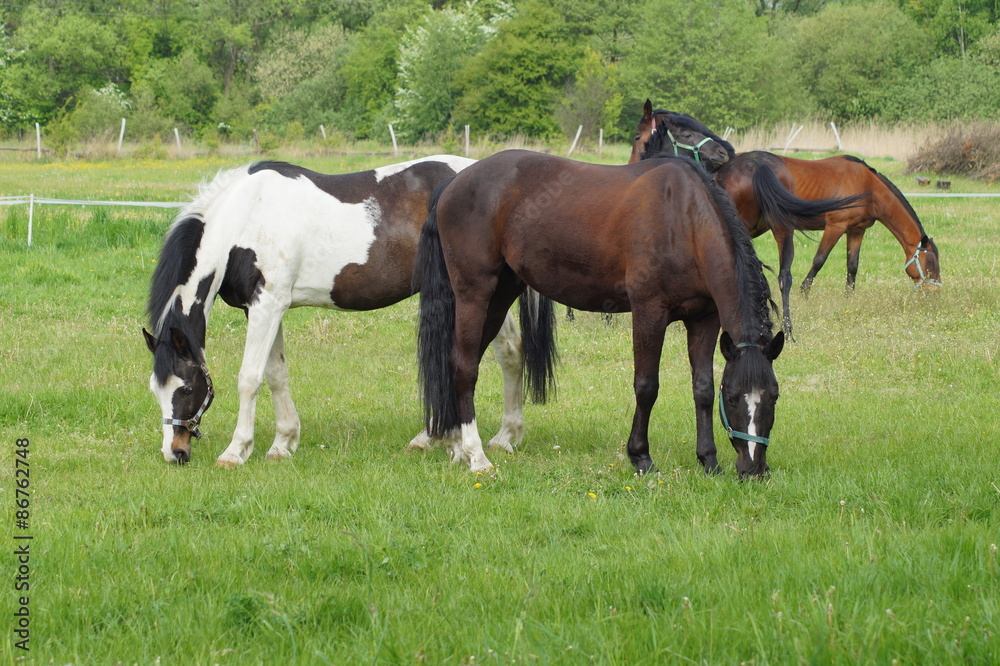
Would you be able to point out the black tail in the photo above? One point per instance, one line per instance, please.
(779, 206)
(538, 336)
(436, 331)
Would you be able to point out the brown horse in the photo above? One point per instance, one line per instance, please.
(760, 184)
(868, 196)
(656, 238)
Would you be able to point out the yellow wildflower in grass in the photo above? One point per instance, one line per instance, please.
(478, 485)
(591, 495)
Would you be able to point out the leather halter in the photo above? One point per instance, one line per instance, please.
(192, 423)
(722, 411)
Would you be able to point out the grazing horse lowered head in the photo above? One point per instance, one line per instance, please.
(274, 236)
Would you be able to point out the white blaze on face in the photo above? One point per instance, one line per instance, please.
(164, 394)
(753, 400)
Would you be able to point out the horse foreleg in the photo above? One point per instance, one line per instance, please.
(786, 253)
(263, 323)
(831, 234)
(701, 337)
(648, 327)
(854, 239)
(286, 427)
(510, 355)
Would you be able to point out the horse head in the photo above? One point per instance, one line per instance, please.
(747, 397)
(662, 131)
(926, 269)
(183, 388)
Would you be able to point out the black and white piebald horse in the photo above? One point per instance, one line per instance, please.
(274, 236)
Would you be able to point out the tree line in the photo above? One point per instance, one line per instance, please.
(535, 68)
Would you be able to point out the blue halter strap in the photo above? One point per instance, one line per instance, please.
(725, 420)
(920, 269)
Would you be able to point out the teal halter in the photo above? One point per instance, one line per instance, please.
(694, 149)
(920, 269)
(722, 412)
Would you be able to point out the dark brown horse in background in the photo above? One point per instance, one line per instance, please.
(656, 238)
(867, 196)
(760, 184)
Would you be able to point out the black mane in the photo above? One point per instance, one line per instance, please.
(892, 188)
(173, 268)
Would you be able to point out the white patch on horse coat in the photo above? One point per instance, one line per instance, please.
(164, 395)
(454, 161)
(753, 400)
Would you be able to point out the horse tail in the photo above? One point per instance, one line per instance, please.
(538, 336)
(436, 327)
(782, 207)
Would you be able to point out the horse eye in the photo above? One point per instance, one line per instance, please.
(637, 137)
(187, 390)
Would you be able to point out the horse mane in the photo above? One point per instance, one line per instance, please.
(655, 145)
(755, 302)
(892, 188)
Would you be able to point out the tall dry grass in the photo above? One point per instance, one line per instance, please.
(870, 139)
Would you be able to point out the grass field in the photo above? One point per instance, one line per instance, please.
(873, 541)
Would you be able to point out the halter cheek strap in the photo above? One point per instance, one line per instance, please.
(694, 149)
(920, 269)
(192, 423)
(725, 420)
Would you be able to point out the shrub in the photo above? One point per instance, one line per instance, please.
(971, 150)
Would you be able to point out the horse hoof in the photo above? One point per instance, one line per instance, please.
(644, 466)
(277, 456)
(712, 467)
(228, 464)
(422, 442)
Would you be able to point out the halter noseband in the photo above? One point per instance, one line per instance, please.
(192, 423)
(694, 149)
(725, 420)
(920, 269)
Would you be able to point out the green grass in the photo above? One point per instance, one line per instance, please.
(872, 539)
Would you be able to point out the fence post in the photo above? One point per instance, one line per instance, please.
(395, 148)
(256, 141)
(121, 137)
(177, 136)
(836, 134)
(600, 142)
(466, 140)
(794, 133)
(31, 215)
(38, 139)
(322, 130)
(575, 139)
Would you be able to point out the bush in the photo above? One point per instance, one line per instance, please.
(971, 150)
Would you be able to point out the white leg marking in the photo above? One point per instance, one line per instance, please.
(287, 425)
(470, 449)
(263, 323)
(753, 399)
(510, 355)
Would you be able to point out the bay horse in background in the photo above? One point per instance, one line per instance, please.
(274, 236)
(867, 196)
(760, 184)
(656, 238)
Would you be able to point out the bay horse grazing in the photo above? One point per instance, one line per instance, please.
(274, 236)
(656, 238)
(760, 184)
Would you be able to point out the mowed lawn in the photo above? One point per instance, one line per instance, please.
(873, 540)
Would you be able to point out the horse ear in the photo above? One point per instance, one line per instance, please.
(181, 343)
(775, 346)
(647, 110)
(150, 340)
(727, 346)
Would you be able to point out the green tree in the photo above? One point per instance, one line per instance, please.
(430, 57)
(512, 85)
(850, 53)
(593, 99)
(712, 60)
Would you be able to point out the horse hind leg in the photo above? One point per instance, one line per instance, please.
(287, 425)
(853, 257)
(509, 352)
(831, 234)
